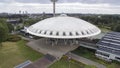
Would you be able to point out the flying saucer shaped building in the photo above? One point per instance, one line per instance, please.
(62, 32)
(63, 27)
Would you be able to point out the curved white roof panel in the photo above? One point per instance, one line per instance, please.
(63, 27)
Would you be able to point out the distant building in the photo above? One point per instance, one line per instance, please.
(4, 14)
(13, 21)
(109, 47)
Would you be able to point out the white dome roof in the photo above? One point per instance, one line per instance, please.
(63, 27)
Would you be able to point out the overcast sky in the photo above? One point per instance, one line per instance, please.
(63, 6)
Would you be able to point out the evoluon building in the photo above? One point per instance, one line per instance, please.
(63, 27)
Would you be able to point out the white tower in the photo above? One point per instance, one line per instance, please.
(54, 1)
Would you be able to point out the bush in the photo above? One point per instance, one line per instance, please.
(117, 28)
(13, 38)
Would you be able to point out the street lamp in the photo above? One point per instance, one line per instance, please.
(69, 58)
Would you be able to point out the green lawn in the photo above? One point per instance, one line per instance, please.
(65, 63)
(14, 53)
(90, 54)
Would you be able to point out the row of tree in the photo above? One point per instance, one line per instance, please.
(111, 22)
(5, 28)
(31, 21)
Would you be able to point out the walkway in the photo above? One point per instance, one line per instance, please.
(84, 60)
(43, 62)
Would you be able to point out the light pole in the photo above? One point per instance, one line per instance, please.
(54, 1)
(69, 61)
(69, 58)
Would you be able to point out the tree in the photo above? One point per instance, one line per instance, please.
(10, 27)
(3, 31)
(31, 21)
(21, 20)
(117, 28)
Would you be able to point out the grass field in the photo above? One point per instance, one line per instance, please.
(90, 54)
(65, 63)
(104, 30)
(14, 53)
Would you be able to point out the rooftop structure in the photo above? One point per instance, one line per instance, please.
(64, 27)
(109, 47)
(54, 6)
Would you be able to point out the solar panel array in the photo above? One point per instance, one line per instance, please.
(110, 43)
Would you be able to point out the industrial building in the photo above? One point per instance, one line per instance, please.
(109, 47)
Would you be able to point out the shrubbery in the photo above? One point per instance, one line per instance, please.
(13, 38)
(117, 28)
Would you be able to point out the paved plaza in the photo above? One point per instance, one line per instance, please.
(57, 50)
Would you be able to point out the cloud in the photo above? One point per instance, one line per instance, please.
(14, 7)
(25, 1)
(112, 2)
